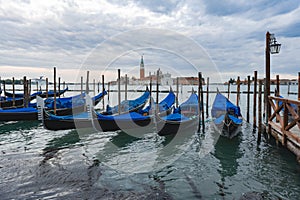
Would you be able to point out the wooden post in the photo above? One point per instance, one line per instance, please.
(28, 88)
(119, 91)
(298, 92)
(157, 91)
(14, 96)
(87, 89)
(125, 86)
(58, 87)
(267, 86)
(108, 91)
(25, 91)
(54, 90)
(81, 86)
(277, 86)
(202, 102)
(238, 91)
(289, 85)
(150, 85)
(4, 86)
(177, 88)
(254, 99)
(207, 96)
(103, 88)
(277, 93)
(94, 87)
(228, 90)
(199, 99)
(47, 88)
(285, 123)
(98, 86)
(248, 98)
(259, 109)
(37, 86)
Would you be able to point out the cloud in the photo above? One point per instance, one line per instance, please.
(66, 33)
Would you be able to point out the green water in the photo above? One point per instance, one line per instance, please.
(39, 164)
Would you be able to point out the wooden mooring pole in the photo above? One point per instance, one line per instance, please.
(200, 99)
(29, 88)
(58, 87)
(25, 91)
(277, 86)
(108, 91)
(207, 96)
(94, 87)
(177, 88)
(125, 86)
(259, 109)
(47, 83)
(119, 91)
(228, 90)
(14, 96)
(54, 90)
(248, 98)
(238, 91)
(150, 86)
(157, 91)
(299, 92)
(103, 88)
(81, 86)
(87, 89)
(254, 99)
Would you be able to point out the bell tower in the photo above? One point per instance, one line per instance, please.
(142, 69)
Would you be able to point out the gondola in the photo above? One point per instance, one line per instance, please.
(72, 105)
(31, 113)
(226, 116)
(18, 114)
(20, 95)
(140, 121)
(39, 93)
(132, 119)
(9, 102)
(135, 105)
(184, 118)
(85, 119)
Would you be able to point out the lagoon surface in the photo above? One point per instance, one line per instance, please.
(83, 164)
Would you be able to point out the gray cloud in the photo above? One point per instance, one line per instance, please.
(64, 33)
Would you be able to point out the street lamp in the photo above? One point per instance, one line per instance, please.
(271, 47)
(274, 46)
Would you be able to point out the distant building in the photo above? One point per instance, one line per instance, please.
(189, 81)
(142, 69)
(163, 78)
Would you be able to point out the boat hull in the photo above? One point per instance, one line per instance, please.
(18, 116)
(228, 128)
(165, 127)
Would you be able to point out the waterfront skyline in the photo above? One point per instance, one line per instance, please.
(38, 35)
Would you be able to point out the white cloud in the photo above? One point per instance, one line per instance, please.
(42, 34)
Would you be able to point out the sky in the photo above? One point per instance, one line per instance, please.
(222, 39)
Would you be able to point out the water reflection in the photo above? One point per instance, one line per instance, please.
(58, 143)
(227, 152)
(122, 139)
(7, 127)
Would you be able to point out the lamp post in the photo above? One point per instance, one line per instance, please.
(271, 47)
